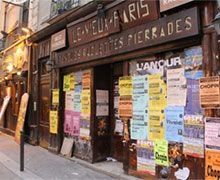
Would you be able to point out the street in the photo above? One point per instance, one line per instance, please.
(39, 164)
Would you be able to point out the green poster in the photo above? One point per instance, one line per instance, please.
(161, 152)
(66, 83)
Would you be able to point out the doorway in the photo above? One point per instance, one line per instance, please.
(44, 105)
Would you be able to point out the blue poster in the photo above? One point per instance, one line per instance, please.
(174, 123)
(192, 102)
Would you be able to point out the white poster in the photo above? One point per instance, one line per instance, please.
(176, 87)
(69, 103)
(102, 103)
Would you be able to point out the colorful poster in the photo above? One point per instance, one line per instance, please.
(193, 62)
(102, 125)
(125, 107)
(55, 96)
(157, 92)
(85, 102)
(86, 79)
(193, 136)
(72, 81)
(68, 121)
(175, 151)
(66, 83)
(209, 92)
(212, 165)
(78, 81)
(85, 127)
(77, 102)
(156, 124)
(102, 103)
(174, 123)
(69, 100)
(193, 106)
(125, 86)
(161, 152)
(75, 124)
(145, 157)
(212, 132)
(53, 122)
(176, 87)
(21, 116)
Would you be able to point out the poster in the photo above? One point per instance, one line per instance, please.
(157, 92)
(212, 165)
(53, 122)
(21, 116)
(68, 121)
(193, 62)
(174, 123)
(69, 100)
(4, 106)
(78, 81)
(75, 124)
(156, 124)
(176, 87)
(55, 96)
(119, 127)
(175, 151)
(161, 152)
(193, 106)
(125, 107)
(212, 132)
(209, 92)
(125, 86)
(85, 127)
(145, 157)
(102, 103)
(72, 81)
(86, 79)
(102, 125)
(77, 102)
(85, 102)
(193, 136)
(66, 83)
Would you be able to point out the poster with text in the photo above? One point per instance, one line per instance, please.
(161, 152)
(68, 122)
(193, 106)
(86, 79)
(66, 83)
(77, 102)
(86, 103)
(85, 127)
(209, 92)
(145, 157)
(55, 96)
(72, 81)
(193, 136)
(212, 165)
(53, 122)
(75, 124)
(78, 81)
(125, 86)
(102, 103)
(212, 132)
(176, 87)
(174, 123)
(125, 107)
(69, 100)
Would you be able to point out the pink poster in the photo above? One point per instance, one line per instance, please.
(72, 123)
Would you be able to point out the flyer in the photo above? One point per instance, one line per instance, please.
(145, 157)
(85, 103)
(209, 92)
(68, 121)
(75, 129)
(174, 123)
(212, 132)
(193, 106)
(212, 164)
(102, 103)
(86, 79)
(72, 81)
(69, 100)
(176, 87)
(193, 136)
(119, 126)
(66, 83)
(53, 122)
(55, 96)
(77, 102)
(125, 107)
(85, 127)
(125, 86)
(156, 124)
(161, 152)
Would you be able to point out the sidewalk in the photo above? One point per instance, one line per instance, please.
(41, 164)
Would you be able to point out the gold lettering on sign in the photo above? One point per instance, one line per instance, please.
(178, 29)
(170, 28)
(188, 22)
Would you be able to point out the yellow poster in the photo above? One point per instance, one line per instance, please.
(72, 81)
(53, 122)
(125, 86)
(156, 124)
(212, 164)
(55, 96)
(86, 102)
(157, 92)
(66, 83)
(161, 152)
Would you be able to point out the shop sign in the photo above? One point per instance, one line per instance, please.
(58, 40)
(125, 14)
(177, 26)
(209, 92)
(169, 4)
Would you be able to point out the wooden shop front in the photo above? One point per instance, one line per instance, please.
(90, 110)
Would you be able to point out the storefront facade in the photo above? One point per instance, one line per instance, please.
(118, 79)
